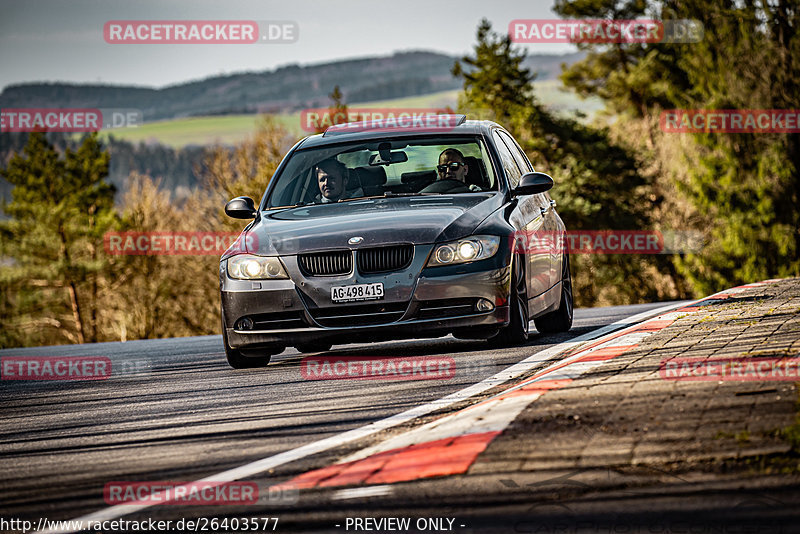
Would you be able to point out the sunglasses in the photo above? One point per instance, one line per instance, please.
(453, 166)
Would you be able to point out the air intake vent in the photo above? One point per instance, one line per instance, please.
(384, 259)
(359, 315)
(326, 263)
(444, 308)
(276, 321)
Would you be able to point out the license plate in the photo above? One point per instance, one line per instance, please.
(357, 292)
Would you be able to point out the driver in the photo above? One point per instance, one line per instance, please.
(332, 181)
(452, 172)
(451, 165)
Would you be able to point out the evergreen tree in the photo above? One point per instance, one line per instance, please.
(494, 79)
(60, 207)
(743, 189)
(598, 184)
(337, 110)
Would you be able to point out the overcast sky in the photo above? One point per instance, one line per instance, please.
(52, 40)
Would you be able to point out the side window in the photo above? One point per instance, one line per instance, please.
(516, 151)
(522, 161)
(510, 166)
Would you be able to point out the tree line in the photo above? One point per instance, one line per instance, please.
(739, 191)
(58, 283)
(177, 169)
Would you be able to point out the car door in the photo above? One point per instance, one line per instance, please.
(527, 218)
(551, 234)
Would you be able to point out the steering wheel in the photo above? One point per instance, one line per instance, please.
(446, 185)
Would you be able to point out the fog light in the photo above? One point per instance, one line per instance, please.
(245, 323)
(484, 305)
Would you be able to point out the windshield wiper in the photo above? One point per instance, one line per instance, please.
(390, 194)
(387, 194)
(291, 206)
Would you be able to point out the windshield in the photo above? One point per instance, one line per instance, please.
(384, 168)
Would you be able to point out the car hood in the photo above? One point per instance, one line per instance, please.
(417, 220)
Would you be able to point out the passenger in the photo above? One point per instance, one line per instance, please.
(332, 181)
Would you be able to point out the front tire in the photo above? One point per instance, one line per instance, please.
(306, 348)
(516, 333)
(561, 319)
(238, 360)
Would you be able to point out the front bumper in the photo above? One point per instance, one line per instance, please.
(418, 302)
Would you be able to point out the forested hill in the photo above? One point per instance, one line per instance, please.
(286, 88)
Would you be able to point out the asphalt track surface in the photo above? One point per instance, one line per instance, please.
(173, 410)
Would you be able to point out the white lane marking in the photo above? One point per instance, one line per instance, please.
(491, 417)
(359, 493)
(548, 374)
(571, 371)
(672, 316)
(634, 338)
(265, 464)
(494, 414)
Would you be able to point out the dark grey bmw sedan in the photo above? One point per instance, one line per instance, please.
(381, 231)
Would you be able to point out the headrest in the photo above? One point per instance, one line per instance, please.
(476, 173)
(369, 176)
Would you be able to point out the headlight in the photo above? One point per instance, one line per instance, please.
(249, 267)
(473, 248)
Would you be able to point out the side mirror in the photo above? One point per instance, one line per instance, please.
(532, 183)
(241, 208)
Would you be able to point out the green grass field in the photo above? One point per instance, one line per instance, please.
(230, 129)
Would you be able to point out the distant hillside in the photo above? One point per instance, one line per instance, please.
(172, 150)
(282, 90)
(234, 128)
(548, 66)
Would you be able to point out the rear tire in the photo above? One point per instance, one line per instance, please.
(516, 333)
(561, 319)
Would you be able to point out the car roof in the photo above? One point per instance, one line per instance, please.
(378, 130)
